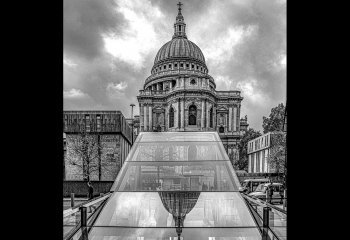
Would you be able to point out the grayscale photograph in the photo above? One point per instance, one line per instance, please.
(174, 120)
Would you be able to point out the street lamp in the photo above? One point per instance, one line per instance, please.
(132, 122)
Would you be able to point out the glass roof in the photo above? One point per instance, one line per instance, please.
(177, 136)
(176, 184)
(152, 209)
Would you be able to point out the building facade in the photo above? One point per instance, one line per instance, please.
(108, 131)
(180, 95)
(258, 152)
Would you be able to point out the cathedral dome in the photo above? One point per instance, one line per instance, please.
(179, 47)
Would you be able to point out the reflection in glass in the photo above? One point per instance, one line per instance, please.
(157, 209)
(178, 204)
(178, 136)
(177, 151)
(116, 233)
(181, 176)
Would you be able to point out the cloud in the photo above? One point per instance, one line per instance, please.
(69, 63)
(116, 90)
(250, 90)
(110, 46)
(83, 23)
(74, 93)
(138, 37)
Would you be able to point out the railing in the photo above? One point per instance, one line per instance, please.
(174, 72)
(228, 93)
(272, 221)
(75, 219)
(165, 92)
(231, 133)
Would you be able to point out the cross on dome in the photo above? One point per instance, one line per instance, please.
(179, 4)
(179, 25)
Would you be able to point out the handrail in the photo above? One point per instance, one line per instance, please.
(75, 209)
(263, 204)
(82, 209)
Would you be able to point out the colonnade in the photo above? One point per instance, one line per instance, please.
(146, 113)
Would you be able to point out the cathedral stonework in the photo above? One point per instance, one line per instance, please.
(180, 95)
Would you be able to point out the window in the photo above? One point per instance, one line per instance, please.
(192, 66)
(87, 123)
(197, 67)
(98, 123)
(180, 28)
(192, 115)
(193, 82)
(171, 117)
(169, 65)
(181, 65)
(176, 65)
(211, 117)
(201, 68)
(164, 66)
(221, 129)
(187, 65)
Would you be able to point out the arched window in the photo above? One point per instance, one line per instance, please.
(221, 129)
(192, 115)
(211, 117)
(173, 83)
(193, 82)
(171, 117)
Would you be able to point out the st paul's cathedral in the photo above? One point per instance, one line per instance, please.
(180, 95)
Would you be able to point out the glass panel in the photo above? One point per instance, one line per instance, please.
(72, 219)
(66, 230)
(162, 209)
(116, 233)
(278, 223)
(185, 176)
(177, 151)
(178, 136)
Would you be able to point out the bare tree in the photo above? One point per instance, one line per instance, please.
(84, 151)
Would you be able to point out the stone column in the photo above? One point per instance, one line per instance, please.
(235, 119)
(207, 115)
(150, 118)
(202, 115)
(214, 118)
(230, 119)
(178, 113)
(158, 87)
(145, 117)
(141, 117)
(183, 113)
(239, 118)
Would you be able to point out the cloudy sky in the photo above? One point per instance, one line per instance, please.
(110, 46)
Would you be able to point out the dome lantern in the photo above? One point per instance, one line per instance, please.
(179, 26)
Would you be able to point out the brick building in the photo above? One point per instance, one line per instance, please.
(108, 129)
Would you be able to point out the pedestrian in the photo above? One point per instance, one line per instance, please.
(90, 194)
(91, 191)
